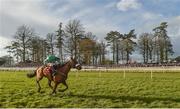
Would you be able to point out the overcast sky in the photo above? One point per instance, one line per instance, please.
(97, 16)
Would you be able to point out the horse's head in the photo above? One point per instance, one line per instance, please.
(75, 64)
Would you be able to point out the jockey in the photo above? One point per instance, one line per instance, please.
(52, 61)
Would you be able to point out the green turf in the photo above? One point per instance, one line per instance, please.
(93, 89)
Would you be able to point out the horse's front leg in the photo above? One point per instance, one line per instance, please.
(64, 82)
(54, 88)
(49, 83)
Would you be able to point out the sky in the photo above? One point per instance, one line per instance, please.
(97, 16)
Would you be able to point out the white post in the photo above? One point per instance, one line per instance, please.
(151, 74)
(76, 73)
(99, 72)
(163, 69)
(124, 74)
(93, 84)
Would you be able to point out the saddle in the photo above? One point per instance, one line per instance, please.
(48, 70)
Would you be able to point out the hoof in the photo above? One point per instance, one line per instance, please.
(53, 93)
(61, 90)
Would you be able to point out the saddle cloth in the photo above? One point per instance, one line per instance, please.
(48, 70)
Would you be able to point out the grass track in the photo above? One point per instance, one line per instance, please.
(93, 89)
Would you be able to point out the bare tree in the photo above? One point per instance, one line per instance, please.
(145, 45)
(60, 40)
(22, 39)
(163, 44)
(74, 30)
(113, 38)
(51, 41)
(129, 43)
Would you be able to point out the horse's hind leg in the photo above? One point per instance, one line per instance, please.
(39, 87)
(64, 82)
(38, 84)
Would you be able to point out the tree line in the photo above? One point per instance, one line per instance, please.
(72, 40)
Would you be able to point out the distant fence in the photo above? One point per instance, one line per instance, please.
(106, 69)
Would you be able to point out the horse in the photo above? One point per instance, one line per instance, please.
(60, 77)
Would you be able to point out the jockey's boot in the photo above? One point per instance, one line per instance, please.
(54, 72)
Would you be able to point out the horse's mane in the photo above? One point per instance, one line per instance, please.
(62, 65)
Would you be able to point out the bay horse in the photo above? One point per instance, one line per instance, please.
(60, 77)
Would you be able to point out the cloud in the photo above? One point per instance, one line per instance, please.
(101, 27)
(4, 41)
(31, 12)
(174, 27)
(110, 5)
(151, 16)
(14, 13)
(82, 13)
(174, 33)
(125, 5)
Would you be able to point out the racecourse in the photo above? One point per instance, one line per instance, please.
(95, 88)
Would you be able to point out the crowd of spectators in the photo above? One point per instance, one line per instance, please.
(136, 65)
(36, 64)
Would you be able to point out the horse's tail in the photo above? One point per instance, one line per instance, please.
(31, 74)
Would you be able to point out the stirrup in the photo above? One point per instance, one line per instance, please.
(54, 73)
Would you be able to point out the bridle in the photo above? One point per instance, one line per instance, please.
(74, 64)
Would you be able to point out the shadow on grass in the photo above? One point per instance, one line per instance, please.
(12, 81)
(124, 98)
